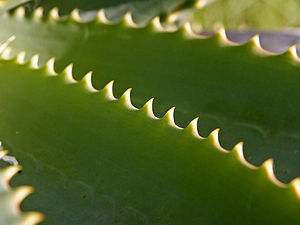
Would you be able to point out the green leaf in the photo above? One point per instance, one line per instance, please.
(98, 160)
(142, 10)
(251, 96)
(262, 14)
(10, 199)
(6, 5)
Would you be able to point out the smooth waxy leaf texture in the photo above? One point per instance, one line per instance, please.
(251, 95)
(253, 14)
(99, 160)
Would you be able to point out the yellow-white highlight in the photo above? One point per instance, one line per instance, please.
(238, 149)
(193, 127)
(293, 52)
(38, 13)
(296, 185)
(200, 4)
(34, 62)
(108, 91)
(189, 31)
(32, 218)
(128, 20)
(223, 37)
(68, 74)
(127, 99)
(53, 14)
(149, 108)
(87, 79)
(7, 174)
(7, 42)
(169, 116)
(50, 67)
(268, 166)
(215, 139)
(2, 153)
(20, 12)
(20, 59)
(19, 195)
(6, 53)
(75, 16)
(101, 17)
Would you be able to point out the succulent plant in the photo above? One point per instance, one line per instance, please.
(97, 155)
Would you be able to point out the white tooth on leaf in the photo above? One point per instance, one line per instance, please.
(50, 66)
(148, 108)
(20, 59)
(223, 37)
(193, 127)
(129, 20)
(6, 53)
(7, 42)
(19, 195)
(189, 31)
(214, 135)
(2, 153)
(38, 13)
(169, 117)
(7, 174)
(19, 12)
(127, 99)
(87, 79)
(108, 91)
(32, 218)
(200, 3)
(68, 74)
(53, 14)
(293, 52)
(157, 24)
(75, 16)
(101, 17)
(257, 46)
(239, 152)
(34, 62)
(296, 186)
(269, 168)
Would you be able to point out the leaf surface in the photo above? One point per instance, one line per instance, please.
(98, 160)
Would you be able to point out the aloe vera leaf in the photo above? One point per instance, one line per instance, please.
(98, 160)
(258, 14)
(253, 98)
(143, 10)
(11, 198)
(6, 5)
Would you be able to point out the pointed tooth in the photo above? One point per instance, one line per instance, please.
(68, 74)
(188, 31)
(32, 218)
(296, 186)
(193, 128)
(19, 12)
(75, 16)
(238, 151)
(126, 99)
(50, 66)
(214, 137)
(87, 80)
(128, 20)
(19, 195)
(20, 58)
(54, 14)
(269, 169)
(2, 153)
(169, 118)
(157, 24)
(7, 175)
(293, 52)
(201, 3)
(224, 39)
(7, 42)
(148, 108)
(6, 53)
(107, 91)
(38, 13)
(255, 40)
(34, 62)
(101, 17)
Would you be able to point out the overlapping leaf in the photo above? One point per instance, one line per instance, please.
(6, 5)
(251, 96)
(99, 160)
